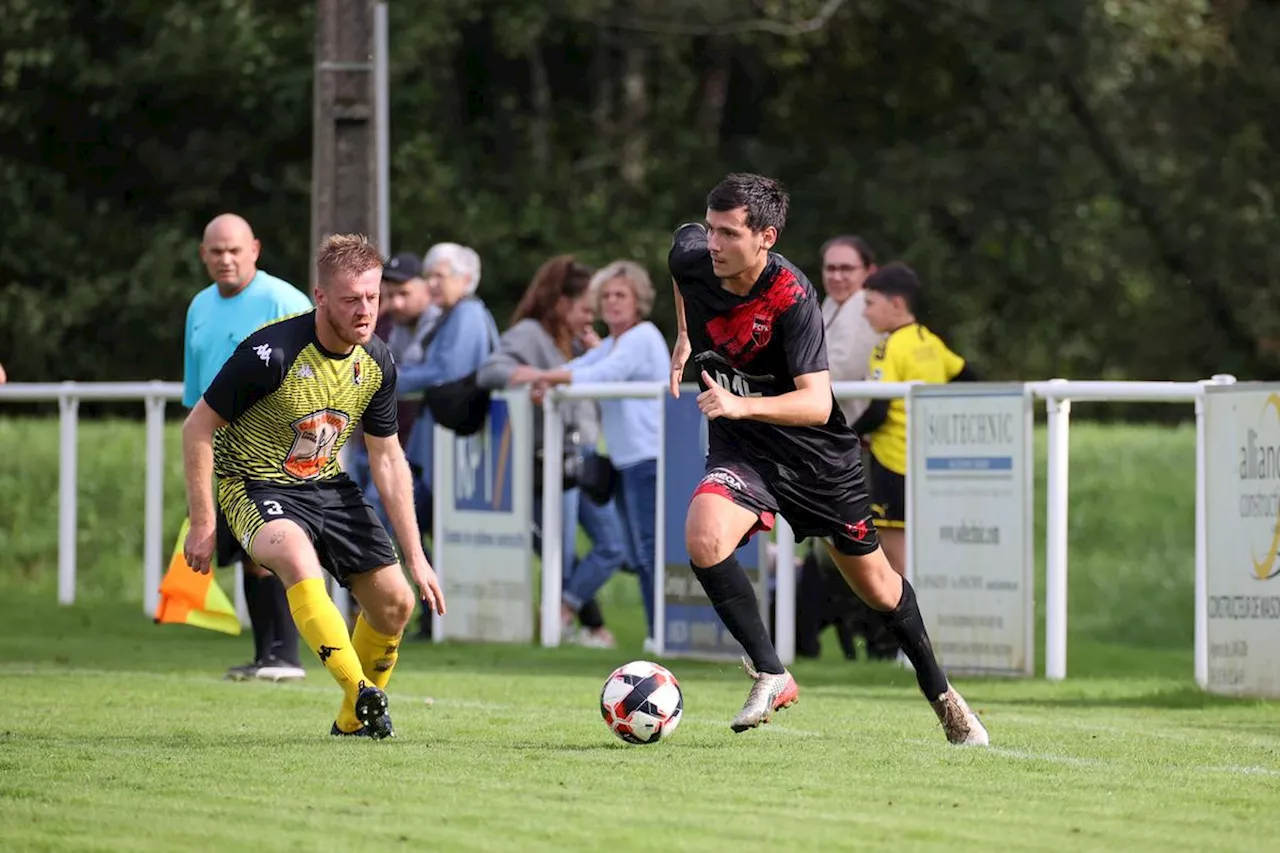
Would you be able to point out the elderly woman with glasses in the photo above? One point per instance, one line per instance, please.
(633, 351)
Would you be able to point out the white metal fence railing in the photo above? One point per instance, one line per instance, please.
(1057, 394)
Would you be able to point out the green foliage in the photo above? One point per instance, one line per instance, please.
(1085, 185)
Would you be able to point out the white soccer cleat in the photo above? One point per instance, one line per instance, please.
(961, 724)
(768, 694)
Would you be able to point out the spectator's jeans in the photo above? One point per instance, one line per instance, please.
(583, 578)
(637, 501)
(569, 527)
(608, 551)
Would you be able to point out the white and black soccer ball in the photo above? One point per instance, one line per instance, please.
(641, 702)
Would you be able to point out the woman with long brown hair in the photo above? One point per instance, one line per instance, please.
(548, 329)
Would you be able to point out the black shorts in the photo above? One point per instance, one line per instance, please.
(347, 535)
(888, 495)
(229, 550)
(839, 510)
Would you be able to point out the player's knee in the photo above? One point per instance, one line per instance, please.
(706, 544)
(395, 608)
(283, 548)
(257, 571)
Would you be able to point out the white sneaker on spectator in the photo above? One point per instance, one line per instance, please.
(598, 638)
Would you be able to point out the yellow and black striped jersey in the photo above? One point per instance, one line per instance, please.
(291, 404)
(909, 353)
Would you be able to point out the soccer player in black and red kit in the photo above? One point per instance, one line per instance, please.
(777, 441)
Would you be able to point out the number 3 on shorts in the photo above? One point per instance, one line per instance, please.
(273, 507)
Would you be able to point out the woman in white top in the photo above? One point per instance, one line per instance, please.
(634, 351)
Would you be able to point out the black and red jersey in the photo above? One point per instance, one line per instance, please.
(755, 345)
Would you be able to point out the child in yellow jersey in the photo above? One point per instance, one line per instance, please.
(909, 352)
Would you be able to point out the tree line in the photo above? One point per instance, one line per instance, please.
(1087, 187)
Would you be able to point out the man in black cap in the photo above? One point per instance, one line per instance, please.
(408, 314)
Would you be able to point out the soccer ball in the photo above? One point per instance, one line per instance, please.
(641, 702)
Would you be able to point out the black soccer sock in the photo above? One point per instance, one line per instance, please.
(734, 599)
(284, 634)
(590, 616)
(906, 624)
(260, 614)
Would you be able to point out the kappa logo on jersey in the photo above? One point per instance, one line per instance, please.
(264, 352)
(305, 372)
(316, 436)
(856, 531)
(748, 328)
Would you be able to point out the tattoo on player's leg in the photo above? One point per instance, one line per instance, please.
(277, 537)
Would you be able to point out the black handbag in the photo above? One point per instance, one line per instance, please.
(458, 405)
(593, 473)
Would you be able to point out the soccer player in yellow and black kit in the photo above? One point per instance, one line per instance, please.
(270, 426)
(908, 352)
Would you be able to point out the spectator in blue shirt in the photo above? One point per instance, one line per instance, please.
(451, 344)
(634, 351)
(241, 299)
(459, 343)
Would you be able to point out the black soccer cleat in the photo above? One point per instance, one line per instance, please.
(337, 732)
(371, 709)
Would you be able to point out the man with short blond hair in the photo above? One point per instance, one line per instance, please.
(281, 409)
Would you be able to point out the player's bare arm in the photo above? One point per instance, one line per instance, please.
(394, 480)
(197, 460)
(808, 405)
(682, 350)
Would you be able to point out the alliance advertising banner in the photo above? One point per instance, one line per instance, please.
(970, 523)
(1242, 502)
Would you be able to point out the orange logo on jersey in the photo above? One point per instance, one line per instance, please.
(316, 438)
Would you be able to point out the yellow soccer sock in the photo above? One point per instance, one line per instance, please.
(378, 654)
(324, 630)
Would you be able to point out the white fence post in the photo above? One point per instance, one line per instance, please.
(784, 595)
(1056, 499)
(68, 416)
(1202, 553)
(153, 526)
(552, 518)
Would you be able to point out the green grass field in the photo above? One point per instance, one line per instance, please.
(120, 735)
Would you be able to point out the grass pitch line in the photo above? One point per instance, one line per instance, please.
(45, 671)
(1074, 761)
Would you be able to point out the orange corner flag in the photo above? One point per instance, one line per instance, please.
(190, 598)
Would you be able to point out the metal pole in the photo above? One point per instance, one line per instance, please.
(153, 525)
(1055, 656)
(552, 519)
(68, 417)
(382, 125)
(660, 536)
